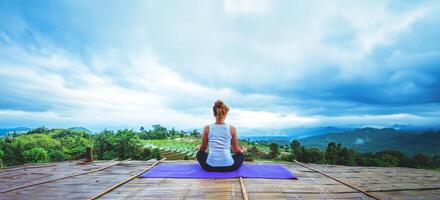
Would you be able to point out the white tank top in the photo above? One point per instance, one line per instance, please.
(219, 142)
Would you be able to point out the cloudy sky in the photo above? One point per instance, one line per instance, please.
(276, 63)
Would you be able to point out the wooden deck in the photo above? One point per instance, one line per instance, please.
(68, 180)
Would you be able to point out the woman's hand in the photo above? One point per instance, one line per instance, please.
(198, 147)
(243, 149)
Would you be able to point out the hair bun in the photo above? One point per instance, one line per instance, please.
(218, 103)
(220, 109)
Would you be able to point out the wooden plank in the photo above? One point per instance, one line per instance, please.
(65, 177)
(124, 181)
(386, 182)
(395, 183)
(341, 181)
(26, 167)
(243, 189)
(80, 187)
(167, 188)
(35, 175)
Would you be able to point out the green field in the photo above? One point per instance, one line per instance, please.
(181, 148)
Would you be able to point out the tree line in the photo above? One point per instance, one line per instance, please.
(52, 145)
(336, 154)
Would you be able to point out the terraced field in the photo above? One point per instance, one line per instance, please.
(171, 155)
(175, 149)
(186, 147)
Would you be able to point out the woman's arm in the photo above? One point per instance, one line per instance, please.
(204, 144)
(235, 147)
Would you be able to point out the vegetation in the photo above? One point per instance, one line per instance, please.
(274, 151)
(50, 145)
(339, 155)
(366, 140)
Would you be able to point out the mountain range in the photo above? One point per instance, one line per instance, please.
(4, 131)
(291, 133)
(373, 140)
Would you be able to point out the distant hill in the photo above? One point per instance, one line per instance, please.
(281, 140)
(373, 140)
(284, 136)
(80, 129)
(303, 132)
(4, 131)
(414, 129)
(292, 133)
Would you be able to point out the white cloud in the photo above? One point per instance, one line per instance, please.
(246, 7)
(169, 67)
(262, 119)
(377, 120)
(97, 99)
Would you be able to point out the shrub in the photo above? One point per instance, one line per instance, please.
(35, 155)
(274, 150)
(156, 154)
(1, 158)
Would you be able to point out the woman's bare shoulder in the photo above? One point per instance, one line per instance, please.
(233, 128)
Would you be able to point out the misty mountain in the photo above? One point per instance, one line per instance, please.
(80, 129)
(415, 129)
(291, 133)
(284, 136)
(4, 131)
(373, 140)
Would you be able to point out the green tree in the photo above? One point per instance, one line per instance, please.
(156, 154)
(173, 132)
(296, 149)
(1, 158)
(331, 153)
(289, 157)
(158, 132)
(57, 155)
(436, 161)
(346, 156)
(36, 155)
(146, 153)
(422, 161)
(103, 142)
(196, 133)
(370, 161)
(39, 130)
(392, 158)
(74, 143)
(312, 155)
(38, 140)
(274, 150)
(15, 146)
(128, 144)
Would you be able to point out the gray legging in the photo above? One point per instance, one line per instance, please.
(203, 156)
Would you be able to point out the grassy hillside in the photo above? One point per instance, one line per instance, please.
(374, 140)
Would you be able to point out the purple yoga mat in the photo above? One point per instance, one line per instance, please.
(193, 170)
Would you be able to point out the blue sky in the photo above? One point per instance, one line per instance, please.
(276, 63)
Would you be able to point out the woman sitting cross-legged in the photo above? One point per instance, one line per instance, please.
(219, 136)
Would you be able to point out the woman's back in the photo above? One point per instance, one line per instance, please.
(219, 137)
(219, 140)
